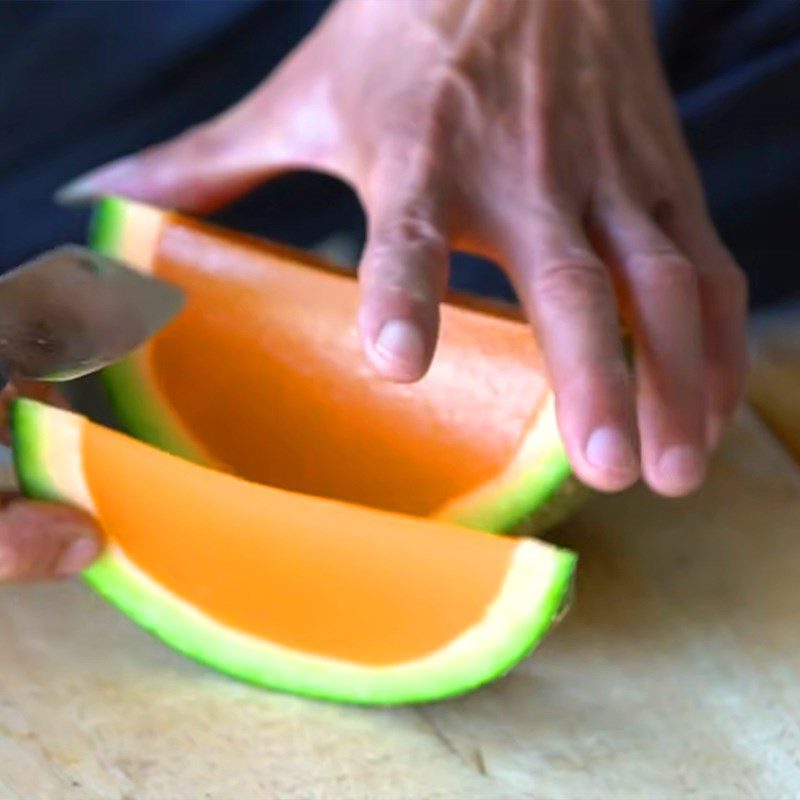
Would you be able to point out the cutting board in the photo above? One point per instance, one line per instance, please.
(676, 675)
(774, 387)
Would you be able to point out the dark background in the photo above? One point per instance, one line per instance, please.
(84, 82)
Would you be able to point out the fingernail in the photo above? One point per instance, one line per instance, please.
(88, 187)
(682, 467)
(400, 342)
(608, 448)
(715, 430)
(79, 555)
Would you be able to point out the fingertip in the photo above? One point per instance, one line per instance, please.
(597, 421)
(678, 471)
(611, 463)
(77, 555)
(400, 351)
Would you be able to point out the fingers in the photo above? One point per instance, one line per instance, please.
(403, 275)
(723, 300)
(662, 293)
(39, 540)
(569, 295)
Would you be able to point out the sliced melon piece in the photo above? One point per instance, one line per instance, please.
(297, 593)
(271, 333)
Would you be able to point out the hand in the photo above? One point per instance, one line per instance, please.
(41, 540)
(540, 134)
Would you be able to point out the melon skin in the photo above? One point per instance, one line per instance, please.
(537, 588)
(536, 492)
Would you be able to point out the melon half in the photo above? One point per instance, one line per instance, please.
(304, 594)
(263, 376)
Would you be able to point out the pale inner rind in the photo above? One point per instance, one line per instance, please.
(539, 466)
(61, 440)
(136, 245)
(139, 240)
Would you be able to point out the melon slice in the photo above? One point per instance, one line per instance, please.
(297, 593)
(263, 376)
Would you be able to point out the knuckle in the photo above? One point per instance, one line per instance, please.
(407, 256)
(454, 90)
(665, 272)
(445, 94)
(416, 296)
(609, 379)
(411, 229)
(572, 284)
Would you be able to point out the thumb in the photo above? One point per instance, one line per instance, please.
(39, 540)
(217, 161)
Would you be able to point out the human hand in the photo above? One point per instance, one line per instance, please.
(41, 540)
(539, 134)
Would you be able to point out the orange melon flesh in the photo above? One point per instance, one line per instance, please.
(263, 375)
(296, 592)
(347, 573)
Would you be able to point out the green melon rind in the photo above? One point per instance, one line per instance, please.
(140, 411)
(136, 406)
(513, 627)
(535, 492)
(32, 472)
(242, 657)
(542, 496)
(107, 225)
(532, 504)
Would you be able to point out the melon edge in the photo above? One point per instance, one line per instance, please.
(130, 231)
(536, 491)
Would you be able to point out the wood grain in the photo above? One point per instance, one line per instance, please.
(677, 675)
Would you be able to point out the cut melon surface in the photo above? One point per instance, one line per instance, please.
(263, 376)
(303, 594)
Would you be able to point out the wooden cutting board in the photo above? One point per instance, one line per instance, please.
(677, 675)
(774, 388)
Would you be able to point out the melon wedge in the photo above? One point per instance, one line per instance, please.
(263, 376)
(313, 596)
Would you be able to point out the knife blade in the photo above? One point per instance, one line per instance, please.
(72, 311)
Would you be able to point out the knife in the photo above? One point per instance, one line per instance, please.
(73, 311)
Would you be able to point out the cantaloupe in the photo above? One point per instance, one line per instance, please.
(316, 596)
(263, 376)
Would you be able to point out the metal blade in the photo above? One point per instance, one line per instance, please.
(72, 311)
